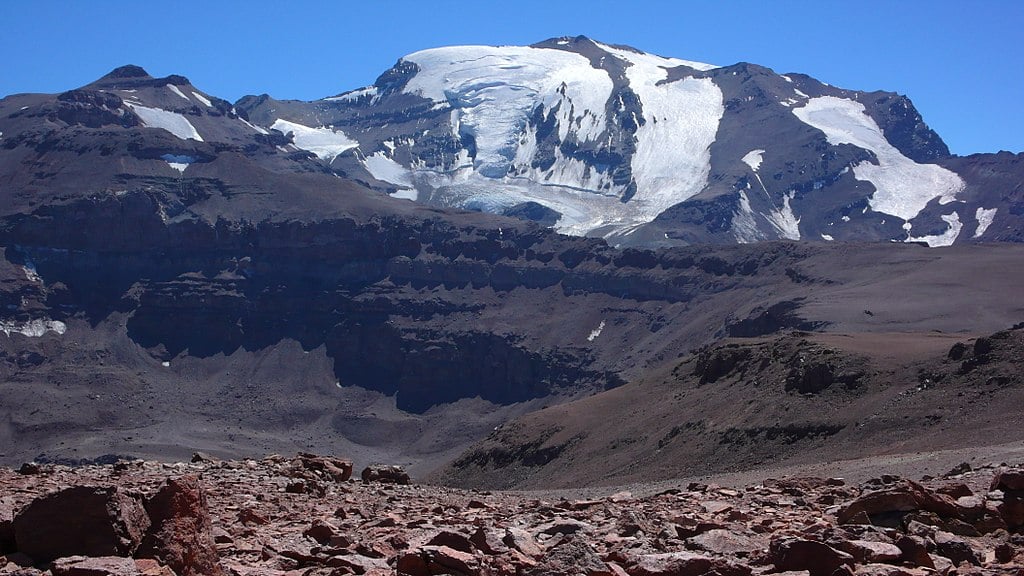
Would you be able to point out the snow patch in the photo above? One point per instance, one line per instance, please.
(326, 143)
(946, 238)
(784, 220)
(171, 121)
(202, 99)
(902, 187)
(175, 89)
(753, 159)
(984, 217)
(353, 95)
(387, 170)
(595, 332)
(405, 194)
(178, 162)
(744, 226)
(827, 238)
(33, 328)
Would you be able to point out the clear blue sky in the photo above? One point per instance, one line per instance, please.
(960, 61)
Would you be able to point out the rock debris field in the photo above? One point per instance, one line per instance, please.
(308, 516)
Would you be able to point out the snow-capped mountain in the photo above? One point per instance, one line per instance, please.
(602, 140)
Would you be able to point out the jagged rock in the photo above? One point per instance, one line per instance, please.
(452, 540)
(313, 467)
(1008, 479)
(6, 526)
(686, 564)
(489, 540)
(386, 474)
(99, 566)
(564, 526)
(955, 548)
(81, 520)
(726, 542)
(522, 540)
(181, 535)
(898, 499)
(868, 552)
(321, 531)
(571, 556)
(817, 558)
(914, 550)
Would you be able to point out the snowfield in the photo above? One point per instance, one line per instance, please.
(326, 143)
(902, 187)
(171, 121)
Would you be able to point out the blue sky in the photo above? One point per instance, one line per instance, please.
(961, 62)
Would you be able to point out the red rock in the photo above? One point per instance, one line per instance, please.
(96, 566)
(685, 564)
(522, 540)
(181, 535)
(6, 526)
(906, 496)
(150, 567)
(726, 542)
(442, 560)
(82, 520)
(251, 516)
(321, 531)
(955, 548)
(386, 474)
(336, 469)
(869, 552)
(452, 540)
(571, 556)
(488, 541)
(1009, 479)
(817, 558)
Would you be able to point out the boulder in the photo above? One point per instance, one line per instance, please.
(571, 556)
(870, 552)
(181, 535)
(386, 474)
(1009, 479)
(720, 541)
(6, 526)
(81, 520)
(955, 548)
(817, 558)
(894, 501)
(102, 566)
(686, 564)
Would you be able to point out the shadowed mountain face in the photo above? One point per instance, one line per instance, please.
(180, 273)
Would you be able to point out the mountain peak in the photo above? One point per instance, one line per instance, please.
(127, 71)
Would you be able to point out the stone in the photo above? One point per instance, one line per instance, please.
(181, 535)
(914, 550)
(686, 564)
(523, 541)
(571, 556)
(452, 540)
(321, 531)
(442, 560)
(721, 541)
(386, 474)
(1008, 479)
(7, 543)
(870, 552)
(489, 541)
(98, 566)
(81, 520)
(904, 496)
(564, 526)
(955, 548)
(817, 558)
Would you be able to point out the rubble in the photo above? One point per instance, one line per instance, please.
(239, 518)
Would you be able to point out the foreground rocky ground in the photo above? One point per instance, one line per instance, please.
(307, 516)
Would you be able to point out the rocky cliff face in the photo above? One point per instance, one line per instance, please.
(178, 277)
(645, 150)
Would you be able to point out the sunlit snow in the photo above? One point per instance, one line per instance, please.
(784, 220)
(175, 89)
(178, 162)
(753, 159)
(984, 216)
(595, 332)
(946, 238)
(387, 170)
(202, 99)
(171, 121)
(902, 187)
(33, 328)
(493, 90)
(326, 143)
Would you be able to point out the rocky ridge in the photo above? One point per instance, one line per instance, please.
(305, 516)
